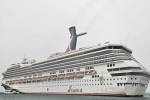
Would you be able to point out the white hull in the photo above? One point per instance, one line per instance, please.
(88, 87)
(106, 85)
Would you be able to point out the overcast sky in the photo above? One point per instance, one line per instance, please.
(38, 28)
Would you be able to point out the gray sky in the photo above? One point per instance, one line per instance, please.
(37, 28)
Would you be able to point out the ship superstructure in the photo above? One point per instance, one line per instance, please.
(104, 69)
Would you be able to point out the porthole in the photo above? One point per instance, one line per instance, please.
(110, 65)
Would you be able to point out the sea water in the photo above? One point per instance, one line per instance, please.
(66, 97)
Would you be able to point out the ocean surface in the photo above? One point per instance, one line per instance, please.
(66, 97)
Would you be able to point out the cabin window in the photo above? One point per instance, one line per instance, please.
(96, 62)
(25, 76)
(117, 84)
(61, 71)
(110, 65)
(39, 74)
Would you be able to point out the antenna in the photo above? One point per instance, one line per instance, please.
(127, 40)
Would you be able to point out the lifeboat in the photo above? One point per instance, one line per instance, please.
(21, 80)
(69, 74)
(24, 80)
(11, 81)
(45, 77)
(39, 78)
(15, 81)
(29, 79)
(33, 79)
(8, 82)
(81, 73)
(61, 75)
(53, 76)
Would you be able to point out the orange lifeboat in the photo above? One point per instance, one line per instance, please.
(69, 74)
(15, 81)
(45, 77)
(24, 80)
(21, 80)
(39, 78)
(80, 73)
(53, 76)
(29, 79)
(61, 75)
(33, 79)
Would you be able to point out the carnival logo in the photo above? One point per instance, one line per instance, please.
(69, 88)
(74, 90)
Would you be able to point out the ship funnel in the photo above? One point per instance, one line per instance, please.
(73, 37)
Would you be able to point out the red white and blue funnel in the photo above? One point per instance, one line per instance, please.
(73, 37)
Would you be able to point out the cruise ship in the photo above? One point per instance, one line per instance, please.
(103, 70)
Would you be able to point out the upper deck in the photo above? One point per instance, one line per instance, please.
(76, 58)
(84, 50)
